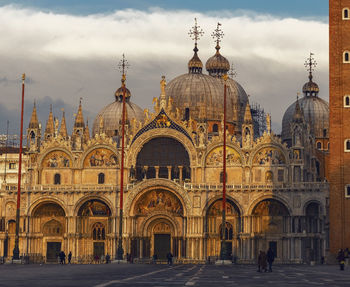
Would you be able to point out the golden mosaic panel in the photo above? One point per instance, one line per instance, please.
(269, 156)
(101, 158)
(215, 157)
(57, 159)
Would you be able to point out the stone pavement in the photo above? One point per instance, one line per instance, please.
(104, 275)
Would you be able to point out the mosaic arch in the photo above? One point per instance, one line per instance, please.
(101, 157)
(216, 208)
(94, 207)
(269, 156)
(215, 157)
(158, 201)
(270, 207)
(48, 209)
(57, 159)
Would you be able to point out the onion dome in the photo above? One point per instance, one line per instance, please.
(109, 119)
(217, 65)
(314, 110)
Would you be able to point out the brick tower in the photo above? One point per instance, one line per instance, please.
(339, 106)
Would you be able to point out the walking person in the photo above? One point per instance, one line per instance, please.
(169, 256)
(270, 258)
(341, 259)
(107, 258)
(69, 257)
(262, 264)
(154, 258)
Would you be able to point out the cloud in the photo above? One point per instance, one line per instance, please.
(69, 56)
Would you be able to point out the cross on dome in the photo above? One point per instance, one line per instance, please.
(195, 32)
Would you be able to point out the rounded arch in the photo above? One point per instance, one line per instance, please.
(261, 147)
(313, 201)
(87, 152)
(79, 204)
(53, 228)
(217, 198)
(215, 146)
(57, 149)
(136, 147)
(149, 223)
(346, 57)
(256, 201)
(160, 183)
(48, 199)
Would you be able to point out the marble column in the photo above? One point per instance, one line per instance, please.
(169, 172)
(157, 171)
(180, 172)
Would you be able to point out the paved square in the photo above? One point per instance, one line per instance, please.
(179, 275)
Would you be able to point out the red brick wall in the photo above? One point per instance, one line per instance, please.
(339, 161)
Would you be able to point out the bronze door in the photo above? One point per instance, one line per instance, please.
(99, 249)
(52, 251)
(161, 245)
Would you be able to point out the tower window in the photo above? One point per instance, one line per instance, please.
(347, 101)
(101, 178)
(319, 145)
(57, 178)
(215, 128)
(347, 145)
(346, 57)
(346, 14)
(347, 190)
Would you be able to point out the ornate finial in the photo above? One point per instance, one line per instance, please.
(232, 73)
(23, 77)
(195, 33)
(123, 66)
(225, 77)
(50, 108)
(80, 99)
(63, 113)
(217, 35)
(310, 64)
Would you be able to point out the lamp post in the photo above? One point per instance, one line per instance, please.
(120, 251)
(16, 248)
(223, 252)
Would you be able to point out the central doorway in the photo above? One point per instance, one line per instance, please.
(99, 249)
(162, 245)
(52, 251)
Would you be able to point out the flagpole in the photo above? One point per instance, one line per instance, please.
(16, 248)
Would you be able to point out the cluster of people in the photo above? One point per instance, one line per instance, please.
(264, 259)
(62, 257)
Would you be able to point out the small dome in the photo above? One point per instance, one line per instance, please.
(111, 115)
(310, 88)
(217, 65)
(316, 112)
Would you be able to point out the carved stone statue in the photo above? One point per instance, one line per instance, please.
(268, 123)
(162, 85)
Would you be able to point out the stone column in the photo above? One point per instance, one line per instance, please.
(141, 248)
(180, 172)
(169, 172)
(157, 171)
(146, 168)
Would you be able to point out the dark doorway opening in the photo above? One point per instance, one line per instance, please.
(162, 245)
(52, 251)
(99, 249)
(273, 246)
(6, 247)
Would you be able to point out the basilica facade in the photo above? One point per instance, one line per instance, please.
(277, 194)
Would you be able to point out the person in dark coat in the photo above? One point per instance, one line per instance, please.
(169, 256)
(270, 258)
(262, 265)
(69, 257)
(108, 258)
(341, 259)
(62, 256)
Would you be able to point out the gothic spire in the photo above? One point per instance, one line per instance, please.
(79, 119)
(248, 114)
(86, 131)
(34, 123)
(63, 128)
(50, 126)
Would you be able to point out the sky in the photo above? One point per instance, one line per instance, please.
(70, 50)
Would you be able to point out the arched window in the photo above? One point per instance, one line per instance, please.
(101, 178)
(228, 231)
(32, 135)
(347, 190)
(215, 128)
(346, 14)
(347, 101)
(57, 178)
(319, 145)
(346, 57)
(347, 145)
(98, 232)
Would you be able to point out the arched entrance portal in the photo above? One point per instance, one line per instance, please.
(94, 223)
(213, 228)
(158, 216)
(48, 221)
(270, 224)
